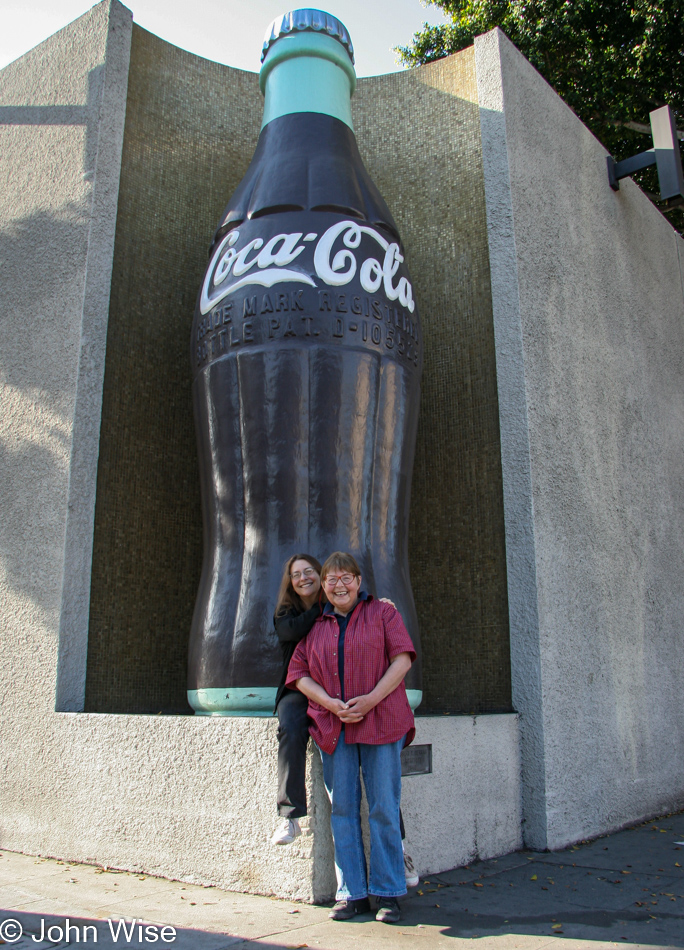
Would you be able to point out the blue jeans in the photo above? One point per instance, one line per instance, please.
(381, 768)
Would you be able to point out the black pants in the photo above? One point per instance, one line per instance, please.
(293, 737)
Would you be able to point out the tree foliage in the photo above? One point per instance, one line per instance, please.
(612, 61)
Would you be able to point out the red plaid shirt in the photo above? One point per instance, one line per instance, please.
(374, 636)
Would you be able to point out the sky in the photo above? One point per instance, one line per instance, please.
(228, 31)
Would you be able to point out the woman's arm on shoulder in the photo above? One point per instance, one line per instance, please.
(291, 627)
(397, 638)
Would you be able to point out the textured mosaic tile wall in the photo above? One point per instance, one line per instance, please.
(189, 137)
(419, 134)
(191, 127)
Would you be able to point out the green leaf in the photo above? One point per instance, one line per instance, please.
(612, 61)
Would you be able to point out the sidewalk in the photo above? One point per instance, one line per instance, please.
(625, 889)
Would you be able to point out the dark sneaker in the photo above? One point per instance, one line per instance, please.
(345, 910)
(388, 910)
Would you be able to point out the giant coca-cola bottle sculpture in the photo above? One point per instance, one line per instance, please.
(306, 353)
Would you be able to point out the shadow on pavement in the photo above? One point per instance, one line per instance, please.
(626, 887)
(22, 930)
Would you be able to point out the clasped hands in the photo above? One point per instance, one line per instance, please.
(352, 711)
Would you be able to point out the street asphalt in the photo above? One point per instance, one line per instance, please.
(623, 889)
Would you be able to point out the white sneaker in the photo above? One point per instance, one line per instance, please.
(412, 879)
(286, 832)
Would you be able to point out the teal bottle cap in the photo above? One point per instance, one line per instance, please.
(307, 21)
(307, 66)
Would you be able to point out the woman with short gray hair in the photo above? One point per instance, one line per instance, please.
(352, 666)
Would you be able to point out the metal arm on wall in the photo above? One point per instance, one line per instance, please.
(665, 154)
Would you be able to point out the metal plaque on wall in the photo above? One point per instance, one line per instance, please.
(416, 760)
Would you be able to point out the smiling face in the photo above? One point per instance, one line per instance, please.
(305, 581)
(342, 596)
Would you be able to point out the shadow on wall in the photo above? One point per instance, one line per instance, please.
(38, 361)
(87, 115)
(42, 256)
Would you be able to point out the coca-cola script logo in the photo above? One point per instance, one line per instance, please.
(232, 268)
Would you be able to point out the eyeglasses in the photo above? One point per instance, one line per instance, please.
(309, 572)
(347, 579)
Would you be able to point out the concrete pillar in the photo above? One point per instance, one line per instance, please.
(588, 308)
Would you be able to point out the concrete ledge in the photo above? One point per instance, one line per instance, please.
(470, 806)
(193, 799)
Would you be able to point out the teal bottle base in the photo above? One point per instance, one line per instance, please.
(243, 701)
(233, 701)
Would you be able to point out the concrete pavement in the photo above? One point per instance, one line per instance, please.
(624, 889)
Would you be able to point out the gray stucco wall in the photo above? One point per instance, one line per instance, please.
(589, 325)
(61, 131)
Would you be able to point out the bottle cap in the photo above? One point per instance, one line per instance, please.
(307, 21)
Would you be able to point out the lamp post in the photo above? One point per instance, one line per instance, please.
(665, 155)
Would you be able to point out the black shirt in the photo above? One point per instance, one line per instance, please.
(291, 627)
